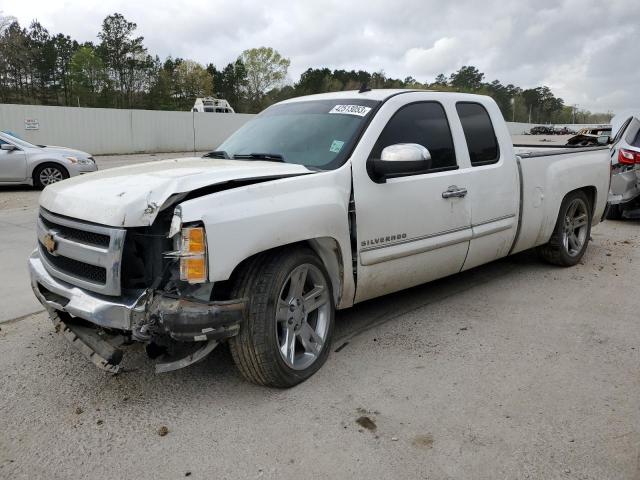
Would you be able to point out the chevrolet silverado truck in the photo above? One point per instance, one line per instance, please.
(316, 204)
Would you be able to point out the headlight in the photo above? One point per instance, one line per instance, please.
(191, 249)
(86, 161)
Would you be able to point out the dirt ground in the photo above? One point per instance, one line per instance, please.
(512, 370)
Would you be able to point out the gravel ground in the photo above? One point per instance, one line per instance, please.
(512, 370)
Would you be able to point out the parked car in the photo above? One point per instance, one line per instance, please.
(625, 163)
(589, 136)
(563, 131)
(318, 203)
(542, 130)
(22, 162)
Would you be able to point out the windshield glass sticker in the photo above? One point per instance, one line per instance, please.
(358, 110)
(336, 146)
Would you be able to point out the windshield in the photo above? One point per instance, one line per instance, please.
(13, 139)
(317, 133)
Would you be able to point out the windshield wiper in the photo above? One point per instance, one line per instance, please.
(217, 154)
(271, 157)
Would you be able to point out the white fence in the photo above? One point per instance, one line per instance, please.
(113, 131)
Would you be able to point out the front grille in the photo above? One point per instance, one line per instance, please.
(83, 254)
(81, 236)
(76, 268)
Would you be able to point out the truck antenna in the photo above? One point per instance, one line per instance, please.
(364, 88)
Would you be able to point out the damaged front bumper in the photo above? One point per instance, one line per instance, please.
(140, 315)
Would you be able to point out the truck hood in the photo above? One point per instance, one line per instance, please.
(132, 196)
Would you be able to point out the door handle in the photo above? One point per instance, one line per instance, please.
(454, 191)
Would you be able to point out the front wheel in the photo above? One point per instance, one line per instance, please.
(572, 231)
(289, 320)
(48, 174)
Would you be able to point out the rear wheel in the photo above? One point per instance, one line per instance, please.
(572, 232)
(290, 317)
(48, 174)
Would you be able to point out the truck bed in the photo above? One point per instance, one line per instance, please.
(546, 171)
(531, 151)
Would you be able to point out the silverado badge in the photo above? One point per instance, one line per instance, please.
(49, 243)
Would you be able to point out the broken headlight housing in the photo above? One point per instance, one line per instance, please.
(190, 248)
(192, 251)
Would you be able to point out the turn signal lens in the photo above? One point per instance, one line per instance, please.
(192, 251)
(193, 242)
(193, 269)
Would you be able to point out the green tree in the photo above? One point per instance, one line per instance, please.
(266, 69)
(467, 79)
(88, 75)
(191, 80)
(440, 81)
(121, 53)
(231, 84)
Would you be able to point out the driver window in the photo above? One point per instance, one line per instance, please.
(424, 123)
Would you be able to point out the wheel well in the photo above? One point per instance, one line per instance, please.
(326, 248)
(47, 164)
(592, 195)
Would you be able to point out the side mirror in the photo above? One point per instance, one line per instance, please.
(603, 140)
(400, 160)
(8, 146)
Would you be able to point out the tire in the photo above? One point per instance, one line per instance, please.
(48, 174)
(614, 212)
(572, 232)
(278, 344)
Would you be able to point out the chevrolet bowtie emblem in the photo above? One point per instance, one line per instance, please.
(49, 243)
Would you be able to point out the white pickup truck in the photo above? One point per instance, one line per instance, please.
(318, 203)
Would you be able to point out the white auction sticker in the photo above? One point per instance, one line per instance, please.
(358, 110)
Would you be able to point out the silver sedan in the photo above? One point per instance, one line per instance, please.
(22, 162)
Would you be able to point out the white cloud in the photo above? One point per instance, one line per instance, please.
(585, 50)
(443, 56)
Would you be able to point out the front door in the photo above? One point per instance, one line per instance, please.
(408, 232)
(13, 165)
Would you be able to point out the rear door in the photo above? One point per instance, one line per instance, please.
(13, 165)
(407, 232)
(495, 197)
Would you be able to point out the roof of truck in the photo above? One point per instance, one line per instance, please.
(377, 95)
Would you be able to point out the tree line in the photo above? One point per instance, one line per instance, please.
(117, 71)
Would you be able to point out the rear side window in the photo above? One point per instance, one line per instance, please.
(621, 132)
(478, 131)
(424, 123)
(633, 133)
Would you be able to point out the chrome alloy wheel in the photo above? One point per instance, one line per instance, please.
(303, 316)
(574, 233)
(50, 175)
